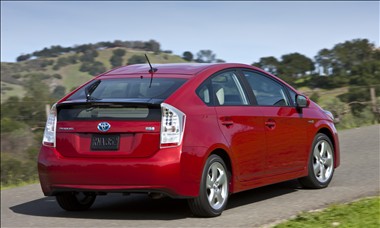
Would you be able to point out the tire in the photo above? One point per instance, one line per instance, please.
(75, 201)
(321, 163)
(214, 189)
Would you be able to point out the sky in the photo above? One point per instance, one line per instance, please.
(239, 31)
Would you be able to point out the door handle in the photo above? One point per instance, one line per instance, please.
(227, 123)
(271, 124)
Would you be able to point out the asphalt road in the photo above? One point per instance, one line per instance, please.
(358, 176)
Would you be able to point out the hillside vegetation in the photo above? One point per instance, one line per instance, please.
(339, 79)
(15, 75)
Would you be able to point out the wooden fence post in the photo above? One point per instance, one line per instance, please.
(47, 110)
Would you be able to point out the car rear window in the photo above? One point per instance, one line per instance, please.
(126, 88)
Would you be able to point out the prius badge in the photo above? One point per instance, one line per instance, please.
(104, 126)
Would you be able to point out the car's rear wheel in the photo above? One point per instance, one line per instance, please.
(75, 201)
(214, 189)
(321, 163)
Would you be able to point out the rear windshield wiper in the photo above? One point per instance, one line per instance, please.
(90, 89)
(151, 71)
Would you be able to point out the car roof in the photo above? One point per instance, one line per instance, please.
(172, 68)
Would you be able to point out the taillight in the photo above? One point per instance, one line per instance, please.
(50, 128)
(172, 126)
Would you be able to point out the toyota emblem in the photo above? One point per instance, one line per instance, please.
(104, 126)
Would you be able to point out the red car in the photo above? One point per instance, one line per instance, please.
(195, 131)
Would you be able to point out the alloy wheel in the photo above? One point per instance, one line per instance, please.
(323, 161)
(216, 185)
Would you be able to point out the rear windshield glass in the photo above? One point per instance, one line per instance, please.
(125, 88)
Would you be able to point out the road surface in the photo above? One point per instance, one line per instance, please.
(358, 176)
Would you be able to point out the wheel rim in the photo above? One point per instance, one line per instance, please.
(323, 162)
(216, 185)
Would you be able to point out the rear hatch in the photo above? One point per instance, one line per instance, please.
(108, 129)
(122, 119)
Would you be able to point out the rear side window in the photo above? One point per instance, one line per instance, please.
(126, 88)
(267, 91)
(225, 90)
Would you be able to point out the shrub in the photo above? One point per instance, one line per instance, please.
(136, 59)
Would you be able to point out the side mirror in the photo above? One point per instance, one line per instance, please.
(302, 101)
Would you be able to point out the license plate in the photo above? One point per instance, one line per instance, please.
(105, 142)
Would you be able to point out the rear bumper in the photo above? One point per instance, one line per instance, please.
(159, 173)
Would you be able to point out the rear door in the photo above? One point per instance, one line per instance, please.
(285, 127)
(240, 123)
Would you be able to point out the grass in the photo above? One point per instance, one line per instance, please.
(324, 94)
(160, 58)
(73, 77)
(361, 213)
(20, 184)
(12, 90)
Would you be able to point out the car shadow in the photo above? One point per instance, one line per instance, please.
(140, 207)
(263, 193)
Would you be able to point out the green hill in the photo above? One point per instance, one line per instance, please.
(14, 75)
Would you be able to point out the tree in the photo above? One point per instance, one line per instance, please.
(295, 65)
(119, 52)
(116, 61)
(136, 59)
(118, 43)
(367, 73)
(62, 61)
(105, 44)
(205, 56)
(188, 56)
(351, 53)
(269, 64)
(93, 68)
(89, 55)
(72, 59)
(340, 60)
(31, 108)
(23, 57)
(97, 68)
(324, 61)
(152, 45)
(117, 57)
(137, 45)
(362, 78)
(57, 50)
(82, 48)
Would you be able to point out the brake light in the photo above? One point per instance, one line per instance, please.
(50, 128)
(172, 126)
